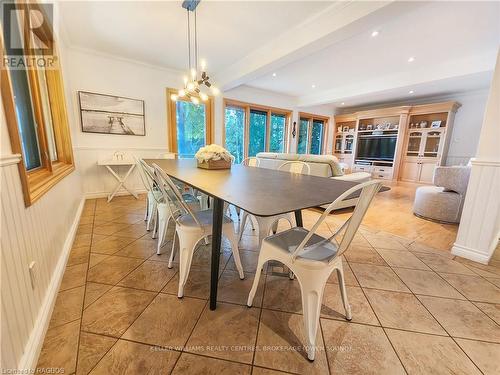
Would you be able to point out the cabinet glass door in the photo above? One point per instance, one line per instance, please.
(432, 141)
(414, 141)
(338, 143)
(349, 141)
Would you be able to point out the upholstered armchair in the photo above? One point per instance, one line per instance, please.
(444, 201)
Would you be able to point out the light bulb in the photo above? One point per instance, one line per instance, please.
(182, 93)
(203, 64)
(214, 90)
(203, 96)
(174, 97)
(185, 80)
(193, 73)
(190, 86)
(195, 100)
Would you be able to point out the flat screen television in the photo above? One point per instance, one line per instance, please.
(376, 148)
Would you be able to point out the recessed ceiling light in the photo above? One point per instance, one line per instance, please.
(411, 92)
(274, 74)
(313, 86)
(411, 59)
(374, 33)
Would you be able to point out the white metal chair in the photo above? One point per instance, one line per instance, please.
(152, 194)
(202, 198)
(295, 167)
(192, 227)
(251, 162)
(266, 224)
(312, 258)
(161, 207)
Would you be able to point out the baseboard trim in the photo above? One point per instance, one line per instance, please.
(104, 194)
(37, 336)
(469, 253)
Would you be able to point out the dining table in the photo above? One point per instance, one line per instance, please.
(258, 191)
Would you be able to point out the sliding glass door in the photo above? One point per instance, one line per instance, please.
(251, 129)
(311, 135)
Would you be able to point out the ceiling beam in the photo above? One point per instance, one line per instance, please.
(455, 68)
(333, 24)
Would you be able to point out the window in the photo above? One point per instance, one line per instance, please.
(312, 134)
(235, 132)
(190, 125)
(250, 129)
(278, 133)
(257, 133)
(35, 109)
(303, 137)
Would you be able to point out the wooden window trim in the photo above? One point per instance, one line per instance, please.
(259, 107)
(35, 183)
(172, 120)
(310, 118)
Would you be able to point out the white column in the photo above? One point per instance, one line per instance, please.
(479, 228)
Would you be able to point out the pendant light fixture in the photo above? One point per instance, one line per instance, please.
(196, 82)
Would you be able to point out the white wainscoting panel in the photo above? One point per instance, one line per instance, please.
(479, 228)
(97, 181)
(42, 233)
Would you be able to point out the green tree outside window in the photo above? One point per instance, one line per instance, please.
(235, 130)
(303, 136)
(191, 128)
(277, 134)
(257, 132)
(316, 137)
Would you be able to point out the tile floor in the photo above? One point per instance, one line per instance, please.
(416, 309)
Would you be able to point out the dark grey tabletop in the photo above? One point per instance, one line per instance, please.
(259, 191)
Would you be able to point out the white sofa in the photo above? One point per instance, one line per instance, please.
(326, 166)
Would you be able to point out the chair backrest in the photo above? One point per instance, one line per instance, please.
(142, 174)
(350, 226)
(295, 167)
(453, 178)
(172, 195)
(167, 155)
(251, 162)
(149, 180)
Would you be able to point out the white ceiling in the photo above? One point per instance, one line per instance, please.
(327, 44)
(434, 34)
(156, 32)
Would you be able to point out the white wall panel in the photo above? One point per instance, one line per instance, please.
(38, 233)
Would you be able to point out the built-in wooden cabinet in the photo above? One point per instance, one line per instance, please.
(417, 170)
(428, 133)
(344, 139)
(422, 134)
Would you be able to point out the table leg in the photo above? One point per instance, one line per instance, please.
(121, 182)
(298, 218)
(218, 214)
